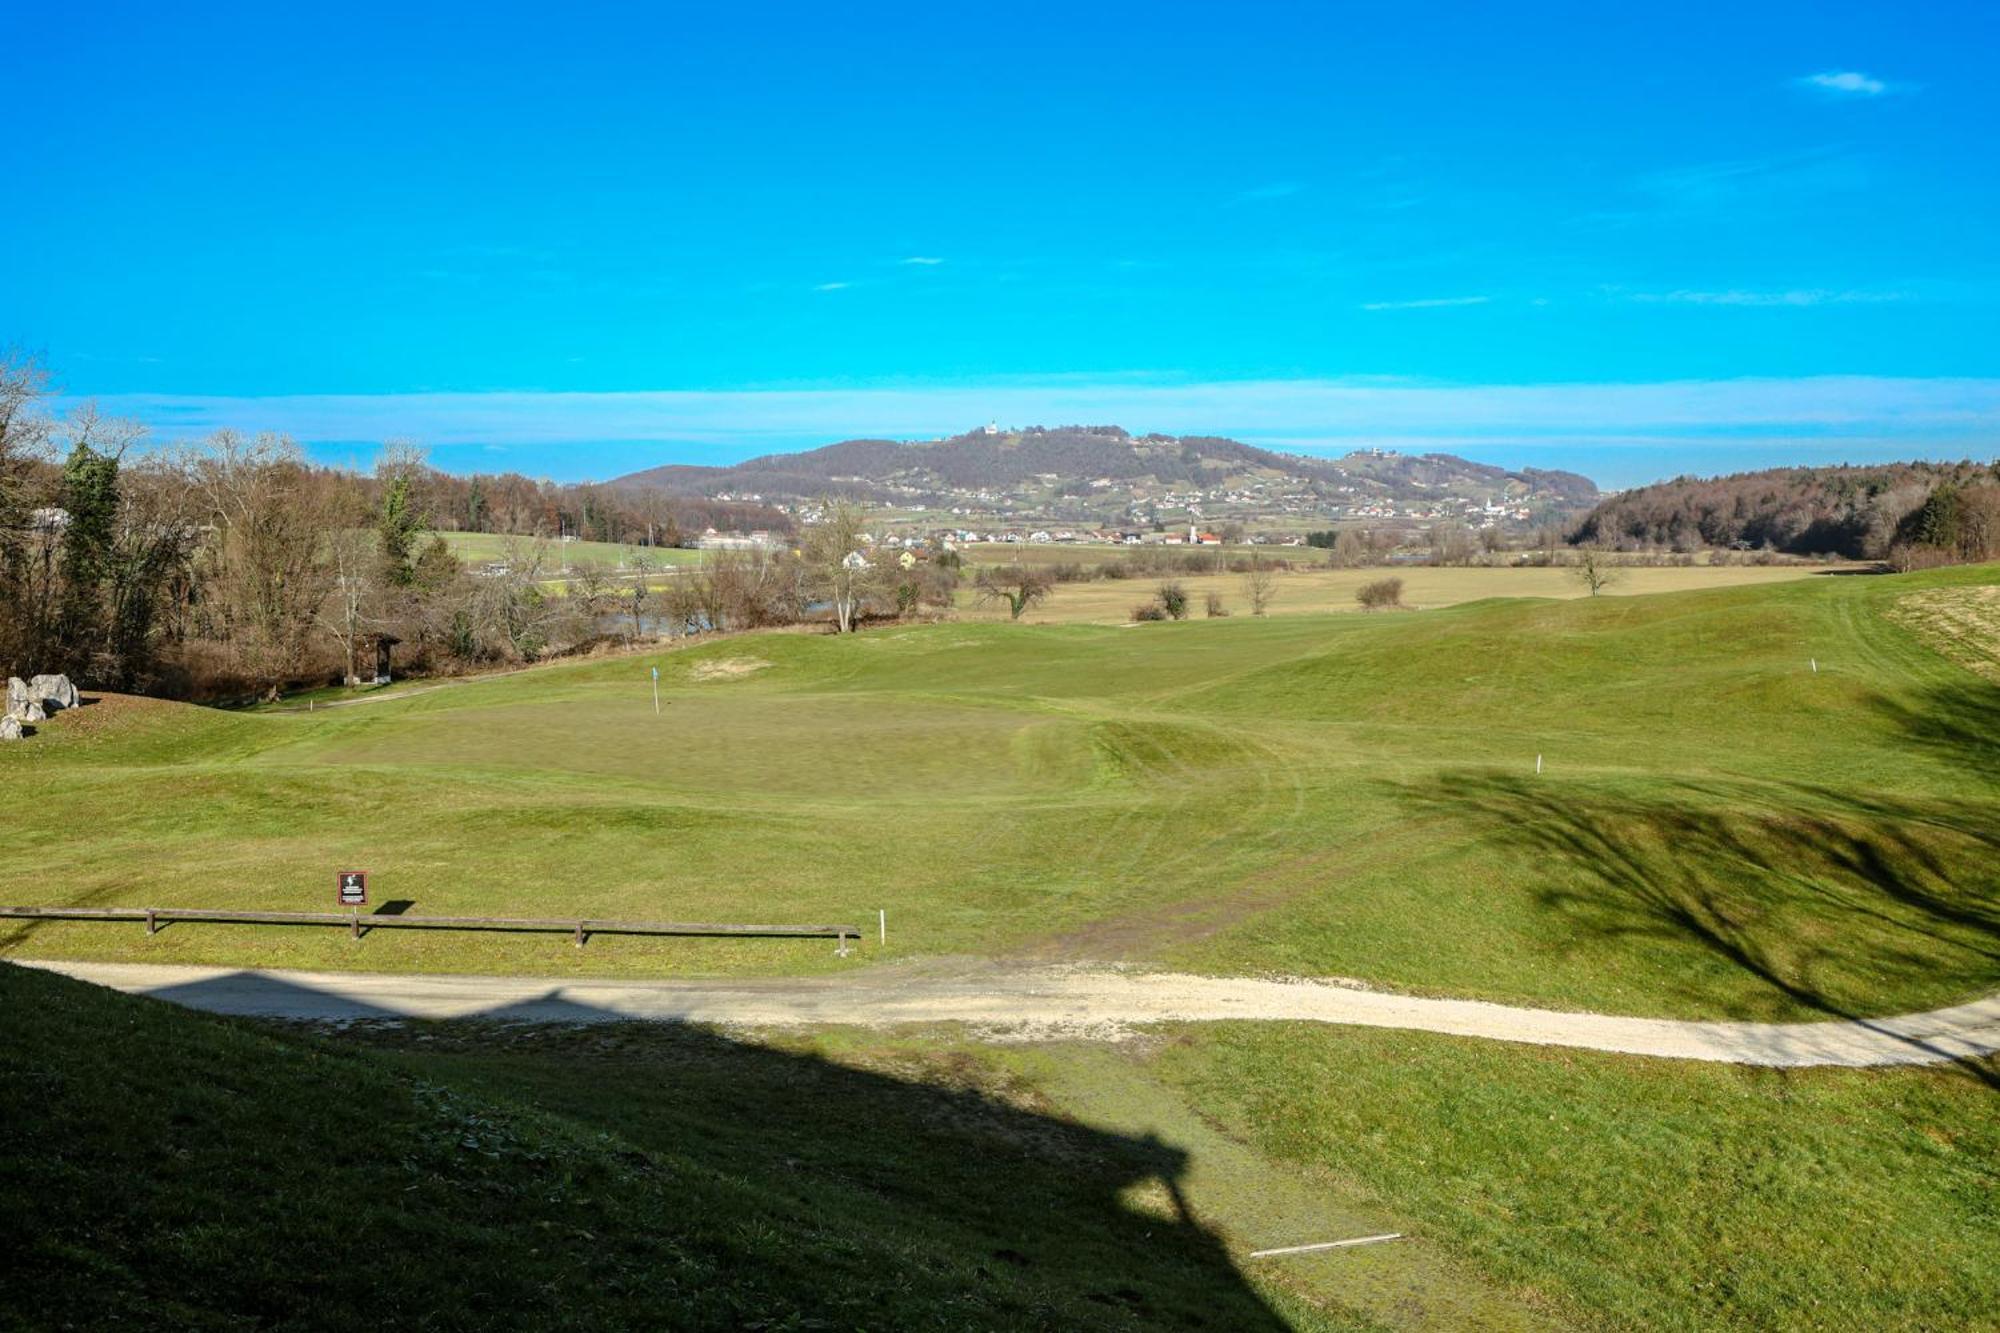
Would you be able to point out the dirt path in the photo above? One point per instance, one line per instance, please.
(1054, 1002)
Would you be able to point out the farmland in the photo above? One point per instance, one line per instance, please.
(1315, 590)
(478, 548)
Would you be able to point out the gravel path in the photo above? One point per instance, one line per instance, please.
(1050, 1002)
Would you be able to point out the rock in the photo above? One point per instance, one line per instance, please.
(10, 730)
(51, 689)
(31, 711)
(17, 693)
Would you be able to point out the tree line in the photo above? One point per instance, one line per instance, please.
(233, 566)
(1882, 512)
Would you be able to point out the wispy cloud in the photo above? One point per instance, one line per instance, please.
(1428, 303)
(1266, 193)
(832, 286)
(1796, 297)
(1846, 83)
(924, 261)
(1733, 183)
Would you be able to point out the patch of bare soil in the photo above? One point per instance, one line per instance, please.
(727, 668)
(1963, 624)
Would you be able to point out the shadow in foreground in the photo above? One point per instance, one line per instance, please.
(602, 1175)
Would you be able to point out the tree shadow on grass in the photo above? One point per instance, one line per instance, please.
(1959, 723)
(924, 1189)
(1821, 895)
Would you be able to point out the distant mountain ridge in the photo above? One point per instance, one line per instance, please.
(1075, 456)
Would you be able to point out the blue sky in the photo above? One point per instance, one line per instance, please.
(578, 240)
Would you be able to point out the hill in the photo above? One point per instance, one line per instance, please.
(1858, 512)
(1106, 473)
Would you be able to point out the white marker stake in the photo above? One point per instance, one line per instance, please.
(1325, 1245)
(1815, 664)
(1538, 763)
(883, 913)
(656, 691)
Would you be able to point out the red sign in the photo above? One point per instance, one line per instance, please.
(352, 888)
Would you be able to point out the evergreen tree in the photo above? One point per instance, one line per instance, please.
(90, 498)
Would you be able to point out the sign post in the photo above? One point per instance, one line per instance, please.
(352, 888)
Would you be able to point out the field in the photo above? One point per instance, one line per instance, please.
(1773, 800)
(477, 548)
(1720, 830)
(1313, 591)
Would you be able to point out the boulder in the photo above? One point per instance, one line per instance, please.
(52, 690)
(10, 730)
(17, 693)
(31, 711)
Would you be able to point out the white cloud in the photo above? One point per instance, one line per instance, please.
(1846, 83)
(924, 261)
(1795, 297)
(1431, 303)
(833, 286)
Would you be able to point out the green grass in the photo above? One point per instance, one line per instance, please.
(164, 1169)
(1718, 830)
(480, 547)
(1639, 1193)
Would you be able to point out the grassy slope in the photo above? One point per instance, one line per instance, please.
(162, 1168)
(1643, 1193)
(165, 1169)
(1719, 830)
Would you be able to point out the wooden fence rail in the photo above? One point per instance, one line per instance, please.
(581, 927)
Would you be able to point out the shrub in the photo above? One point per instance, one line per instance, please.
(1380, 594)
(1149, 611)
(1215, 606)
(1173, 600)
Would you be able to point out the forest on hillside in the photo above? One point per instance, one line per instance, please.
(1907, 513)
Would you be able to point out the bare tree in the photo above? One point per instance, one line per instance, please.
(269, 562)
(512, 611)
(343, 616)
(1260, 584)
(1593, 569)
(833, 549)
(1017, 585)
(589, 595)
(1451, 543)
(642, 567)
